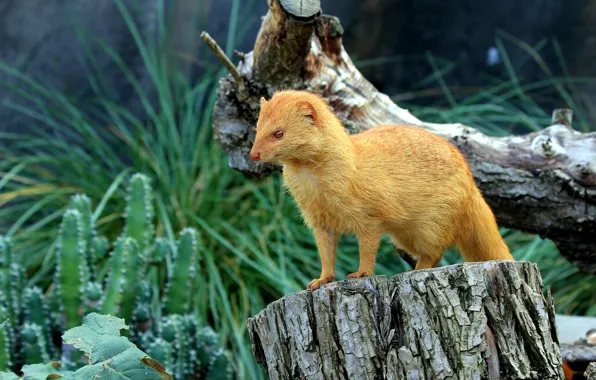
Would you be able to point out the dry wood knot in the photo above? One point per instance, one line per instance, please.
(546, 146)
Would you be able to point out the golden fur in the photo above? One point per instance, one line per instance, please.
(394, 179)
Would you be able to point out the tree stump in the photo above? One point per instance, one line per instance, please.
(486, 320)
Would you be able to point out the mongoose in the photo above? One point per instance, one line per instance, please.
(398, 180)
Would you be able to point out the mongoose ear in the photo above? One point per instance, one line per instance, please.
(312, 113)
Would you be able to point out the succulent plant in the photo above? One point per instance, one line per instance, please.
(147, 281)
(181, 278)
(72, 273)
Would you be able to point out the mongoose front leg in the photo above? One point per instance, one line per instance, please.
(368, 243)
(327, 245)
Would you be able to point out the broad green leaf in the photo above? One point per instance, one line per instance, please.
(122, 360)
(46, 372)
(111, 355)
(8, 376)
(94, 327)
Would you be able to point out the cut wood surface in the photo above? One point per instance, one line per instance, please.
(543, 182)
(486, 320)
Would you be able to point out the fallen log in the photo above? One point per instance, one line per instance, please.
(543, 182)
(486, 320)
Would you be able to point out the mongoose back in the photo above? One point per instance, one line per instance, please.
(398, 180)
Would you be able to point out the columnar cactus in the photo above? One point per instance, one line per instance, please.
(11, 281)
(82, 204)
(33, 344)
(93, 293)
(212, 360)
(5, 253)
(122, 263)
(163, 352)
(35, 312)
(220, 367)
(188, 349)
(156, 260)
(72, 273)
(150, 283)
(6, 341)
(172, 330)
(139, 211)
(99, 249)
(181, 278)
(144, 312)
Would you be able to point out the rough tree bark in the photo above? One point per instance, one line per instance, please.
(543, 182)
(467, 321)
(591, 372)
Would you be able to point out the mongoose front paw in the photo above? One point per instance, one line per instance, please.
(359, 274)
(316, 283)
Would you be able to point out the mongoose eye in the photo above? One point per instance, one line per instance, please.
(278, 134)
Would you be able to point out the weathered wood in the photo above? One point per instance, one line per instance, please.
(457, 322)
(578, 353)
(543, 182)
(591, 372)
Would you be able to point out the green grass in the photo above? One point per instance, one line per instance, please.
(256, 247)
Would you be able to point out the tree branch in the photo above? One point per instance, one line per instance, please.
(466, 321)
(543, 182)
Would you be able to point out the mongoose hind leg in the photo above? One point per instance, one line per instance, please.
(427, 261)
(423, 256)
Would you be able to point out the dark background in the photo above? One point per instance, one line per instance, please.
(41, 38)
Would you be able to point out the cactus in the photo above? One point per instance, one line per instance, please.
(82, 204)
(220, 367)
(99, 249)
(93, 293)
(206, 344)
(122, 275)
(6, 341)
(214, 362)
(5, 252)
(35, 311)
(33, 344)
(150, 283)
(98, 253)
(11, 281)
(139, 211)
(163, 352)
(180, 279)
(157, 257)
(72, 273)
(35, 308)
(143, 310)
(161, 250)
(173, 330)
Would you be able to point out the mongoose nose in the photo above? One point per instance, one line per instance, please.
(255, 156)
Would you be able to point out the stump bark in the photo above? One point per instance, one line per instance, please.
(486, 320)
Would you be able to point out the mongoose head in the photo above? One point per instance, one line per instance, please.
(289, 128)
